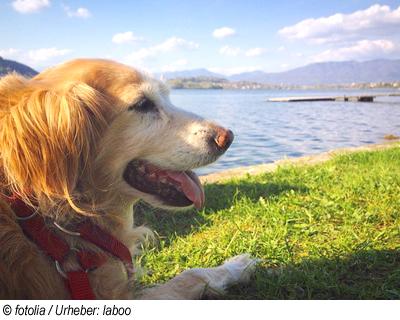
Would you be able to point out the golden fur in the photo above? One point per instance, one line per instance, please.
(66, 137)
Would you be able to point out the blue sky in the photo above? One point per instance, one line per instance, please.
(225, 36)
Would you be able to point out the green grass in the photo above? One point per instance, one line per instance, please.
(330, 231)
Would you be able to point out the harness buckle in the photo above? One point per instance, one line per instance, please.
(61, 271)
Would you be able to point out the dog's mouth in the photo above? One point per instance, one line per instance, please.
(172, 188)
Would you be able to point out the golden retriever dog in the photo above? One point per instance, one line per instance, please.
(80, 144)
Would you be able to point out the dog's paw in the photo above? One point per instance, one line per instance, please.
(241, 267)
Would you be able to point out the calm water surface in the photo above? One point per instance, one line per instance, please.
(269, 131)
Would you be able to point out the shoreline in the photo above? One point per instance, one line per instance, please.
(307, 160)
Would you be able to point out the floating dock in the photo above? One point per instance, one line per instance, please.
(361, 98)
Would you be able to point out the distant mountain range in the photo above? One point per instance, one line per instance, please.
(7, 66)
(346, 72)
(188, 74)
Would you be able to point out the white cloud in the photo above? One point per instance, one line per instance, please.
(224, 32)
(171, 44)
(376, 20)
(127, 37)
(297, 54)
(46, 54)
(79, 13)
(256, 52)
(9, 52)
(175, 66)
(216, 70)
(364, 49)
(82, 13)
(238, 70)
(234, 52)
(30, 6)
(231, 52)
(138, 56)
(175, 43)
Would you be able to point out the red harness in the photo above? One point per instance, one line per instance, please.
(76, 282)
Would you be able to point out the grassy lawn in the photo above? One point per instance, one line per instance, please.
(329, 231)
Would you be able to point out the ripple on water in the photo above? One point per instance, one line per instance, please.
(266, 131)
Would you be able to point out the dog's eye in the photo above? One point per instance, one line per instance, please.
(143, 105)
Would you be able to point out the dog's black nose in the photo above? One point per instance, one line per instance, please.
(223, 138)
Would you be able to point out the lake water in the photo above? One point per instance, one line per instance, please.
(269, 131)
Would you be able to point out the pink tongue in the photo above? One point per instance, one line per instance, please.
(191, 186)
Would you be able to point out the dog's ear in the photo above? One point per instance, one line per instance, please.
(12, 87)
(47, 137)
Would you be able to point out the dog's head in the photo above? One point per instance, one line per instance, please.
(100, 128)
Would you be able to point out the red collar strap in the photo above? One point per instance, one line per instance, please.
(77, 282)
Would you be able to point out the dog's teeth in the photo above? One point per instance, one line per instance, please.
(141, 170)
(152, 176)
(179, 188)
